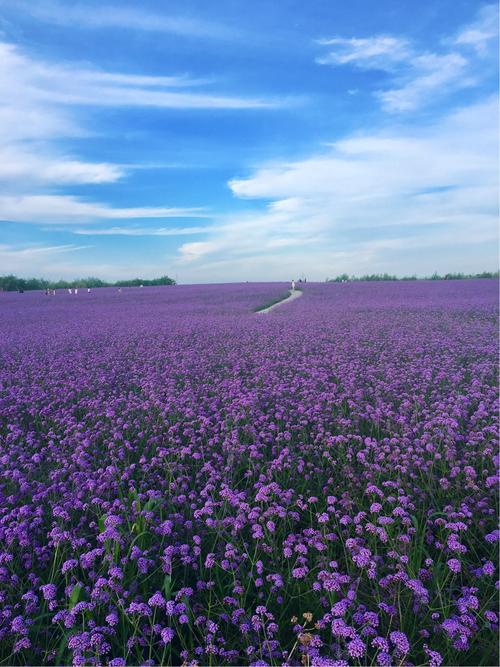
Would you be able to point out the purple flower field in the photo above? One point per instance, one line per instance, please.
(185, 481)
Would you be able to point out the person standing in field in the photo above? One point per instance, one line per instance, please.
(293, 284)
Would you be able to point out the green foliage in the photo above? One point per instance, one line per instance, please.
(137, 282)
(12, 283)
(373, 277)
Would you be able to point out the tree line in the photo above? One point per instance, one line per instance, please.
(344, 277)
(13, 283)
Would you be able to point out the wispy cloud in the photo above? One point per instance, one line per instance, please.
(100, 16)
(29, 252)
(64, 209)
(419, 77)
(66, 261)
(431, 76)
(25, 79)
(379, 52)
(38, 101)
(482, 33)
(23, 165)
(141, 231)
(36, 259)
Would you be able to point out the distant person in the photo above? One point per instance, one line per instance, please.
(76, 290)
(293, 284)
(88, 289)
(70, 290)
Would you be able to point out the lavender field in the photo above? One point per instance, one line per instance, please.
(185, 481)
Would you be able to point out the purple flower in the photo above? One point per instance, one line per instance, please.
(112, 618)
(400, 641)
(356, 648)
(493, 537)
(209, 560)
(139, 608)
(435, 658)
(113, 520)
(18, 626)
(300, 572)
(380, 643)
(48, 591)
(157, 600)
(22, 644)
(488, 569)
(454, 565)
(167, 634)
(69, 565)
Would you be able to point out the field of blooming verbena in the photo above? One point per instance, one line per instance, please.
(183, 480)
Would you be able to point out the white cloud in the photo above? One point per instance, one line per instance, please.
(456, 152)
(193, 251)
(419, 78)
(116, 16)
(371, 202)
(483, 32)
(379, 52)
(63, 209)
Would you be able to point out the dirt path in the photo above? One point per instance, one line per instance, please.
(294, 294)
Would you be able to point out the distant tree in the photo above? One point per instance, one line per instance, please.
(137, 282)
(11, 283)
(487, 274)
(373, 277)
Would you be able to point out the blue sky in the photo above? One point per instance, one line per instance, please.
(233, 141)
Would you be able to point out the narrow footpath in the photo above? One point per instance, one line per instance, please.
(294, 294)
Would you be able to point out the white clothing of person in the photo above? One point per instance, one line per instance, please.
(293, 284)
